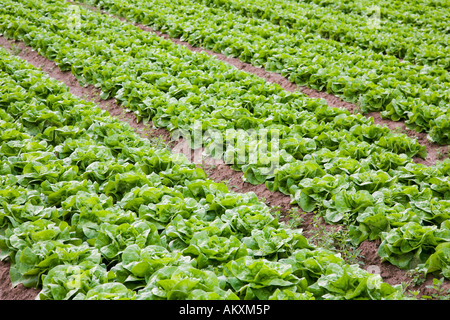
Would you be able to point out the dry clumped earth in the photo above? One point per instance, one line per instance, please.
(366, 255)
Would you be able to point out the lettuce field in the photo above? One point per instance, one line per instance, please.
(95, 206)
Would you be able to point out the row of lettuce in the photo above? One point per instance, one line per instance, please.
(375, 81)
(366, 27)
(330, 161)
(90, 210)
(428, 15)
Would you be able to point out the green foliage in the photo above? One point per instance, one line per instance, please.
(329, 160)
(320, 47)
(143, 223)
(84, 187)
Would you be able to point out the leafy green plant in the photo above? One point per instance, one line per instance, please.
(295, 218)
(16, 50)
(418, 275)
(335, 238)
(141, 223)
(268, 48)
(440, 293)
(317, 143)
(442, 153)
(115, 190)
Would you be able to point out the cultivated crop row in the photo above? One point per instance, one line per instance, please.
(429, 15)
(375, 81)
(90, 210)
(341, 165)
(361, 26)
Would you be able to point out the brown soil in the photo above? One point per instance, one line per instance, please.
(7, 292)
(216, 171)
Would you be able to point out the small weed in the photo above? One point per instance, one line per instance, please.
(16, 50)
(208, 168)
(276, 212)
(335, 239)
(440, 293)
(157, 141)
(442, 153)
(418, 275)
(343, 245)
(320, 234)
(399, 130)
(358, 109)
(412, 294)
(295, 218)
(230, 186)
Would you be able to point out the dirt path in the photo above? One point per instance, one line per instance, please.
(219, 172)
